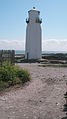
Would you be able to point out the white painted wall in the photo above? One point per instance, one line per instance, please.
(33, 36)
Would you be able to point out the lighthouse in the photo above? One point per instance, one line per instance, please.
(33, 46)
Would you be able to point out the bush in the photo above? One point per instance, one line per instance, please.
(12, 75)
(7, 72)
(24, 75)
(3, 85)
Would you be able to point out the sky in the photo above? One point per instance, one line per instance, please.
(13, 14)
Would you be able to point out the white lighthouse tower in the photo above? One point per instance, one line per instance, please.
(33, 35)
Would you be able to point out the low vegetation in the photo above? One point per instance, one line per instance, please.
(11, 75)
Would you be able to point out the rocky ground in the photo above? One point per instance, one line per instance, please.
(42, 98)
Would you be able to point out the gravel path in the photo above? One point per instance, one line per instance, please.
(42, 98)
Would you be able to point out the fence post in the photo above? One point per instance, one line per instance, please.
(1, 57)
(13, 57)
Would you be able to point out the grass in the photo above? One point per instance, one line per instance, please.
(11, 75)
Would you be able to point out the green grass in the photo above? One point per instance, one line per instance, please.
(11, 75)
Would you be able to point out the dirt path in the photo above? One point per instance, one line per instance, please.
(42, 98)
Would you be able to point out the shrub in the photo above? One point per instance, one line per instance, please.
(7, 72)
(24, 75)
(3, 85)
(12, 75)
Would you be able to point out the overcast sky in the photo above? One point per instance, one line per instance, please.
(13, 14)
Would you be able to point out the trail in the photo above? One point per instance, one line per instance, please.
(42, 98)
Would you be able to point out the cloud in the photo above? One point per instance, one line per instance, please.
(12, 44)
(54, 45)
(47, 45)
